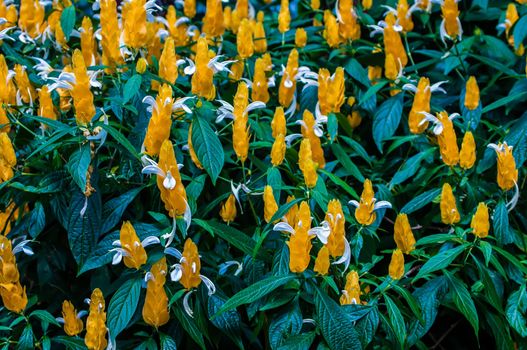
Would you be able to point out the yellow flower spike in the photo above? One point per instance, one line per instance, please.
(331, 30)
(404, 16)
(13, 296)
(331, 90)
(260, 87)
(467, 155)
(60, 38)
(322, 261)
(81, 93)
(278, 150)
(159, 124)
(260, 41)
(260, 16)
(9, 13)
(192, 152)
(134, 23)
(7, 158)
(315, 4)
(507, 173)
(292, 213)
(7, 87)
(396, 268)
(449, 212)
(308, 131)
(403, 235)
(173, 193)
(190, 266)
(270, 206)
(189, 8)
(235, 22)
(284, 16)
(167, 63)
(227, 18)
(420, 104)
(336, 220)
(366, 4)
(472, 94)
(213, 25)
(511, 16)
(349, 28)
(392, 41)
(374, 73)
(278, 124)
(25, 89)
(46, 108)
(95, 338)
(64, 94)
(73, 325)
(202, 80)
(5, 222)
(110, 34)
(242, 8)
(300, 37)
(244, 39)
(365, 211)
(306, 164)
(237, 69)
(141, 65)
(88, 44)
(240, 126)
(178, 31)
(451, 25)
(300, 242)
(31, 19)
(391, 69)
(8, 268)
(447, 140)
(286, 91)
(354, 119)
(155, 310)
(228, 209)
(135, 254)
(351, 293)
(480, 221)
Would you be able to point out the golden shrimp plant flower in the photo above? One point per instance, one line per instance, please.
(287, 89)
(507, 173)
(365, 209)
(446, 135)
(351, 292)
(260, 41)
(270, 205)
(177, 27)
(73, 324)
(278, 150)
(322, 261)
(307, 164)
(278, 124)
(95, 338)
(467, 155)
(46, 108)
(11, 291)
(244, 39)
(168, 69)
(331, 30)
(403, 235)
(396, 267)
(213, 25)
(260, 85)
(110, 34)
(330, 91)
(129, 248)
(134, 22)
(155, 310)
(480, 221)
(312, 130)
(159, 124)
(88, 43)
(284, 16)
(471, 94)
(81, 93)
(202, 80)
(228, 209)
(349, 28)
(26, 92)
(240, 126)
(450, 25)
(449, 213)
(300, 37)
(391, 38)
(31, 18)
(7, 157)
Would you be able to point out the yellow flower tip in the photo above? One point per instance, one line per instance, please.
(73, 325)
(349, 27)
(95, 337)
(467, 155)
(306, 163)
(13, 296)
(240, 127)
(270, 206)
(396, 267)
(284, 17)
(472, 94)
(135, 254)
(159, 124)
(337, 237)
(352, 292)
(480, 221)
(392, 41)
(449, 213)
(364, 213)
(278, 150)
(447, 140)
(260, 41)
(228, 209)
(366, 4)
(287, 88)
(174, 198)
(244, 39)
(331, 90)
(331, 30)
(300, 242)
(507, 175)
(420, 104)
(260, 87)
(155, 309)
(190, 266)
(322, 261)
(355, 119)
(403, 235)
(278, 124)
(7, 158)
(300, 37)
(391, 71)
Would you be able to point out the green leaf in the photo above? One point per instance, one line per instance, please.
(336, 326)
(285, 324)
(420, 201)
(283, 209)
(166, 342)
(113, 210)
(516, 309)
(131, 88)
(520, 31)
(504, 101)
(73, 343)
(189, 325)
(396, 320)
(339, 182)
(410, 167)
(25, 342)
(463, 300)
(45, 316)
(208, 147)
(346, 162)
(83, 230)
(254, 292)
(386, 119)
(228, 322)
(299, 342)
(372, 91)
(37, 220)
(67, 22)
(440, 261)
(500, 223)
(78, 165)
(357, 72)
(121, 140)
(122, 306)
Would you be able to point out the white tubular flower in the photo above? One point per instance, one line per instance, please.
(180, 104)
(65, 80)
(42, 67)
(438, 126)
(22, 246)
(225, 266)
(290, 138)
(190, 68)
(284, 227)
(218, 66)
(322, 232)
(186, 305)
(346, 257)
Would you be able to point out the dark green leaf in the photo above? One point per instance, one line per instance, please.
(78, 165)
(396, 320)
(113, 210)
(386, 119)
(37, 220)
(440, 261)
(208, 147)
(67, 22)
(131, 88)
(420, 201)
(500, 221)
(45, 316)
(122, 306)
(463, 301)
(516, 309)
